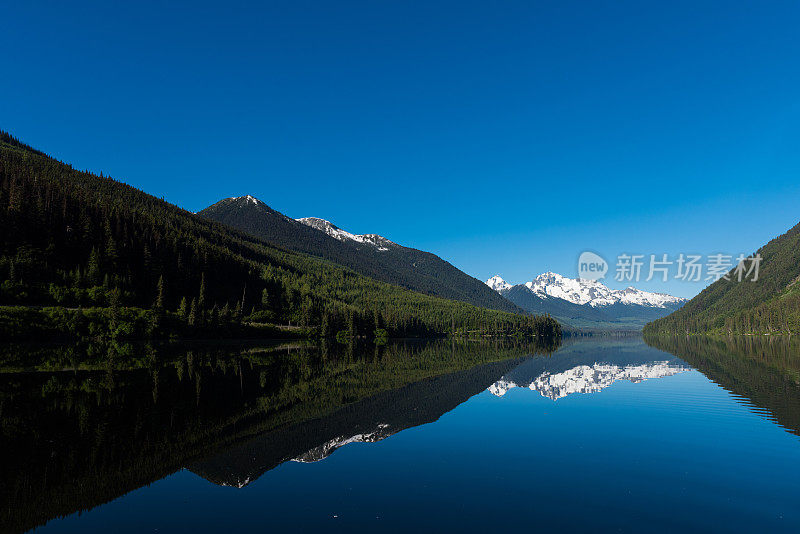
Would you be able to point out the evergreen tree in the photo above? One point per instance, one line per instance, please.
(264, 298)
(93, 267)
(159, 304)
(201, 301)
(193, 313)
(182, 308)
(324, 328)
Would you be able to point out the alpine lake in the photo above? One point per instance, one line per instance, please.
(686, 434)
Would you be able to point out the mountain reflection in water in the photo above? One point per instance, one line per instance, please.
(763, 371)
(369, 420)
(87, 425)
(589, 368)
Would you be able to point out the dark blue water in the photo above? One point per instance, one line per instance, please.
(601, 436)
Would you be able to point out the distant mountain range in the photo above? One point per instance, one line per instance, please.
(369, 254)
(587, 303)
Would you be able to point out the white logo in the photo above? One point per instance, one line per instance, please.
(591, 266)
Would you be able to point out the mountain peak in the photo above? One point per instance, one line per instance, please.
(248, 198)
(497, 283)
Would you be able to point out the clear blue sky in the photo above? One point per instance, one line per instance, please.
(506, 137)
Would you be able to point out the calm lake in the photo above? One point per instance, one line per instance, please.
(595, 435)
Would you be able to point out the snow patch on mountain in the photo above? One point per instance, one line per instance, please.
(238, 484)
(591, 292)
(326, 449)
(589, 378)
(501, 387)
(247, 198)
(379, 242)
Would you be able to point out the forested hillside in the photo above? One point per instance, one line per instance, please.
(770, 304)
(87, 255)
(395, 264)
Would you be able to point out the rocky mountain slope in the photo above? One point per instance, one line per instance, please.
(369, 254)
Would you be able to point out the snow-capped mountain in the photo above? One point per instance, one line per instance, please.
(587, 303)
(594, 293)
(589, 378)
(379, 242)
(497, 283)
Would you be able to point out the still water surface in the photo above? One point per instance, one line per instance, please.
(609, 435)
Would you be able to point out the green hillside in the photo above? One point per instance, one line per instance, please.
(770, 304)
(88, 255)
